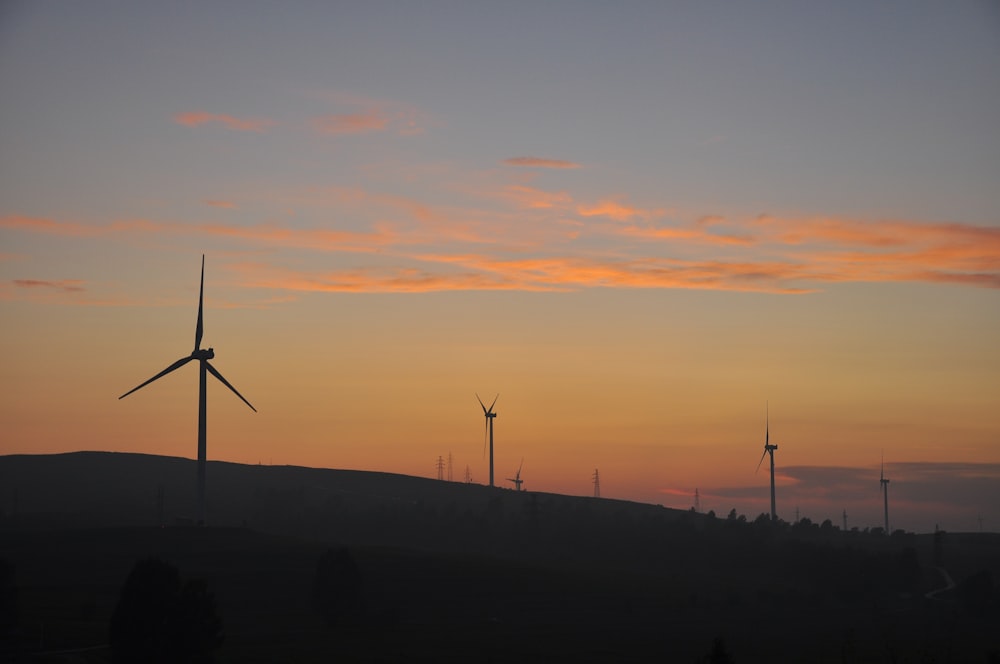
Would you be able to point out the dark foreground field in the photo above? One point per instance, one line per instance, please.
(463, 574)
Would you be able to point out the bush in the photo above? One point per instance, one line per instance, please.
(337, 588)
(8, 598)
(159, 619)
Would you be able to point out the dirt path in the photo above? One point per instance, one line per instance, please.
(949, 584)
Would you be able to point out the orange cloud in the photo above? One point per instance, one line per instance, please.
(351, 123)
(764, 254)
(390, 280)
(694, 235)
(616, 210)
(530, 197)
(540, 162)
(198, 118)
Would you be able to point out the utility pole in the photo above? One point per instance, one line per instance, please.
(449, 467)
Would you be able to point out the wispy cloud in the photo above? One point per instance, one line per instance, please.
(617, 210)
(534, 239)
(351, 123)
(228, 205)
(61, 285)
(198, 118)
(361, 115)
(540, 162)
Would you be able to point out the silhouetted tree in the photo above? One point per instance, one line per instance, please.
(718, 655)
(732, 514)
(938, 547)
(157, 619)
(976, 593)
(904, 570)
(8, 598)
(337, 588)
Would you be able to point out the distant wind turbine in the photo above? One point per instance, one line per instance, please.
(769, 449)
(517, 478)
(203, 356)
(490, 416)
(884, 486)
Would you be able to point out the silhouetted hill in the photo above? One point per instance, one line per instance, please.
(451, 569)
(86, 489)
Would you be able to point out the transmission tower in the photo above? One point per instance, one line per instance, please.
(440, 467)
(597, 484)
(449, 467)
(845, 521)
(697, 501)
(468, 475)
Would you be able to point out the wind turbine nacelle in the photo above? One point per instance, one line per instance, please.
(203, 354)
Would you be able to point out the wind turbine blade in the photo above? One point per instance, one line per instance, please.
(226, 383)
(761, 459)
(481, 403)
(494, 401)
(199, 330)
(176, 365)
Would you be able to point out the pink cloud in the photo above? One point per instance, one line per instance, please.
(198, 118)
(540, 162)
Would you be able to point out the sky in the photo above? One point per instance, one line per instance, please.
(658, 230)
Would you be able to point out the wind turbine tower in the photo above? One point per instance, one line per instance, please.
(769, 449)
(203, 355)
(490, 416)
(884, 486)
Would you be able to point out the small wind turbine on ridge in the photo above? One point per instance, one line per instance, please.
(769, 449)
(884, 486)
(490, 416)
(517, 477)
(203, 355)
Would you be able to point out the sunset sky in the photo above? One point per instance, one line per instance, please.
(643, 224)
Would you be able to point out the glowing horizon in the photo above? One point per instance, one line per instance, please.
(638, 243)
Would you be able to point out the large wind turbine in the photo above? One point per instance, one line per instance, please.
(884, 486)
(203, 356)
(769, 449)
(490, 415)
